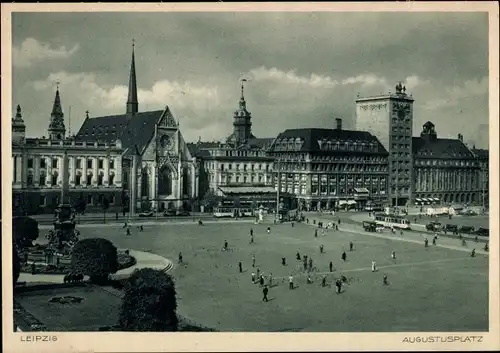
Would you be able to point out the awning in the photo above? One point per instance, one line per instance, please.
(361, 190)
(418, 200)
(424, 199)
(247, 190)
(436, 199)
(342, 202)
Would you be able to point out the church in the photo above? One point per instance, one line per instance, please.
(137, 161)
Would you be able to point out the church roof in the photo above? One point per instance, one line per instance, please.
(309, 139)
(132, 130)
(440, 148)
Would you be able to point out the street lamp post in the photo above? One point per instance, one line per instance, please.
(278, 187)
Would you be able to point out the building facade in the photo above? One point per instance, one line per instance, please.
(445, 170)
(326, 168)
(239, 167)
(158, 169)
(137, 160)
(390, 119)
(89, 171)
(483, 158)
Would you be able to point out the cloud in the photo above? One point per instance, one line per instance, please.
(314, 80)
(30, 51)
(455, 94)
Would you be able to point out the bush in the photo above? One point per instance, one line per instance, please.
(96, 258)
(16, 264)
(149, 303)
(25, 231)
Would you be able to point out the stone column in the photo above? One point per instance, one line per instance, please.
(71, 170)
(133, 185)
(48, 163)
(36, 171)
(118, 171)
(106, 171)
(95, 171)
(60, 164)
(84, 172)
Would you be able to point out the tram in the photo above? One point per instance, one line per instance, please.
(392, 221)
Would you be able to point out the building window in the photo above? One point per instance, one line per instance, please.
(54, 180)
(30, 162)
(260, 178)
(89, 200)
(42, 179)
(54, 162)
(100, 164)
(244, 179)
(100, 178)
(42, 200)
(78, 179)
(111, 179)
(244, 167)
(230, 166)
(111, 163)
(237, 179)
(30, 179)
(78, 163)
(222, 167)
(89, 163)
(43, 163)
(89, 179)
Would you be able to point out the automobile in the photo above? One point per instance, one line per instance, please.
(434, 227)
(466, 229)
(370, 226)
(146, 214)
(169, 213)
(451, 228)
(379, 228)
(468, 213)
(183, 213)
(484, 232)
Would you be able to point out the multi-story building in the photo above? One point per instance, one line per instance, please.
(445, 170)
(483, 157)
(134, 160)
(390, 118)
(326, 168)
(89, 170)
(238, 168)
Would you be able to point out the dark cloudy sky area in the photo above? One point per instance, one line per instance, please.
(304, 69)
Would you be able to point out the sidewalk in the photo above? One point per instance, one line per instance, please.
(144, 260)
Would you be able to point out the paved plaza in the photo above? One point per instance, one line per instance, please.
(436, 289)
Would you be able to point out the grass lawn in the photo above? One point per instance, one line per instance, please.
(437, 289)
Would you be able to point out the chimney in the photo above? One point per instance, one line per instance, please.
(460, 137)
(338, 124)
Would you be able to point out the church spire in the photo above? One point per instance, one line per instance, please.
(132, 102)
(57, 130)
(243, 103)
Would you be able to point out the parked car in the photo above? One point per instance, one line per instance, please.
(466, 229)
(169, 213)
(468, 213)
(434, 227)
(183, 213)
(370, 226)
(451, 228)
(484, 232)
(146, 214)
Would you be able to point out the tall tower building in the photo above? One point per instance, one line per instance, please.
(132, 102)
(57, 130)
(390, 119)
(242, 123)
(18, 127)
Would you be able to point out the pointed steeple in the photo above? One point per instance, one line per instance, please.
(243, 103)
(132, 102)
(57, 130)
(18, 126)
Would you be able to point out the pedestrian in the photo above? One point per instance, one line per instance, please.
(128, 231)
(401, 232)
(486, 247)
(426, 242)
(476, 239)
(268, 230)
(307, 220)
(351, 246)
(180, 257)
(283, 261)
(240, 266)
(253, 277)
(315, 233)
(434, 240)
(290, 282)
(125, 225)
(292, 224)
(298, 256)
(393, 255)
(251, 232)
(331, 266)
(305, 264)
(258, 272)
(374, 266)
(261, 280)
(339, 222)
(321, 248)
(464, 243)
(251, 239)
(323, 281)
(473, 253)
(336, 227)
(225, 245)
(338, 284)
(270, 279)
(141, 228)
(265, 290)
(305, 258)
(385, 280)
(344, 256)
(253, 260)
(310, 264)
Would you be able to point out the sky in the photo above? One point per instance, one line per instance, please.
(302, 69)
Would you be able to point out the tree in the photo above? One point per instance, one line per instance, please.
(80, 205)
(96, 258)
(210, 200)
(25, 231)
(149, 303)
(16, 264)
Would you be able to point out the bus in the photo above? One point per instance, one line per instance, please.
(392, 221)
